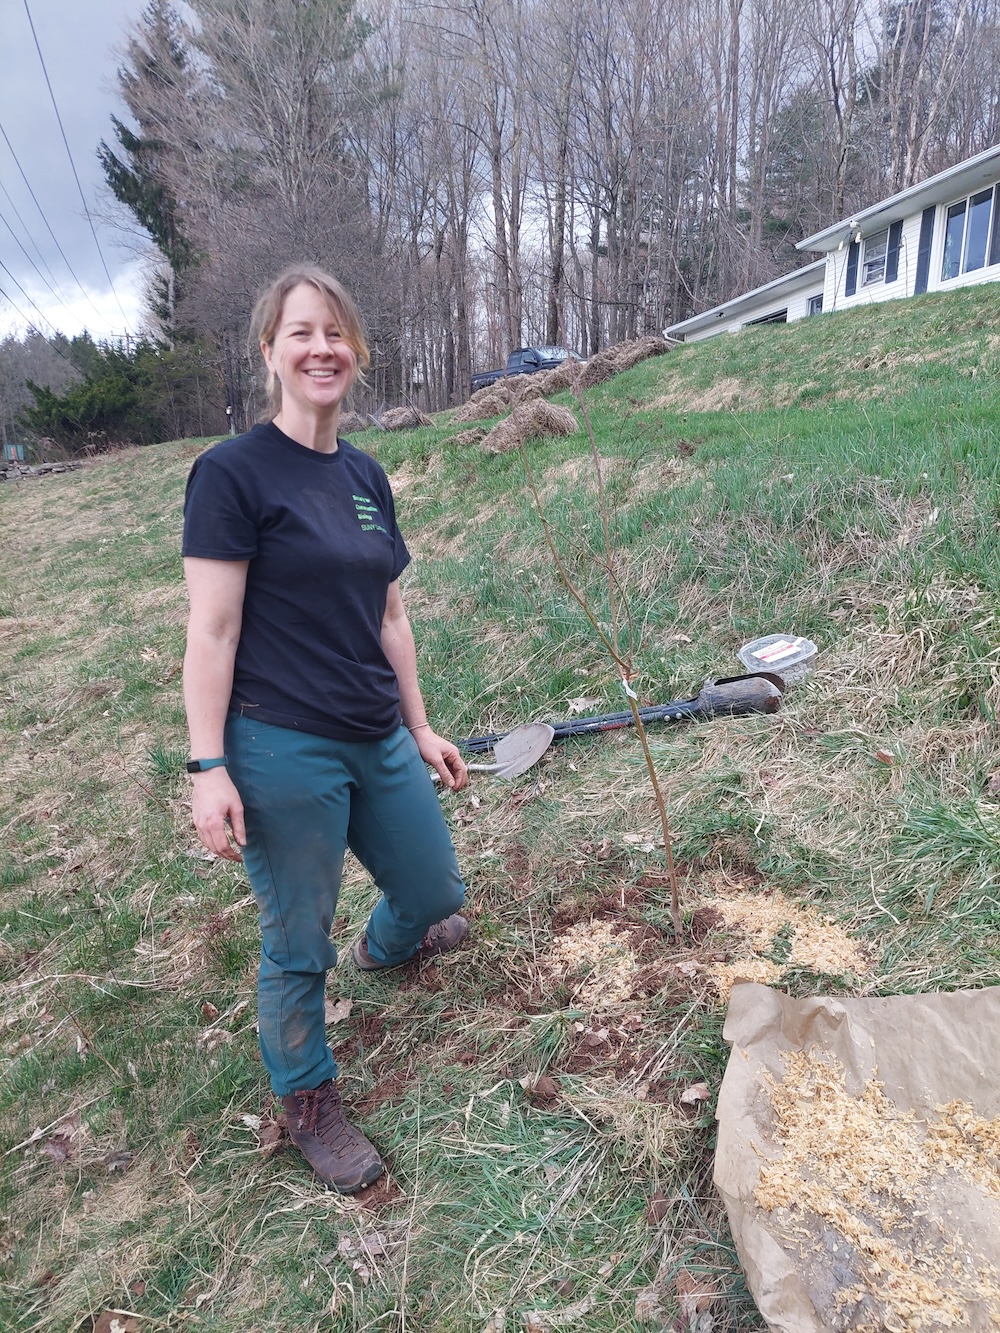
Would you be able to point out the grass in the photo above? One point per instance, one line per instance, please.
(839, 478)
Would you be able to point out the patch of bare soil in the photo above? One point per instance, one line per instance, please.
(367, 1035)
(388, 1092)
(381, 1196)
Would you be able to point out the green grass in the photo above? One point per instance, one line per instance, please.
(839, 478)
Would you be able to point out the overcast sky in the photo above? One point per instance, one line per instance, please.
(78, 40)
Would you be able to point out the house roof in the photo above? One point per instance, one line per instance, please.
(962, 179)
(787, 284)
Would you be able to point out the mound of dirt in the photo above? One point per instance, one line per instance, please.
(352, 422)
(468, 437)
(613, 360)
(404, 418)
(529, 421)
(489, 402)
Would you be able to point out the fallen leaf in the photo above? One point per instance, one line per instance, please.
(82, 1049)
(115, 1321)
(336, 1013)
(355, 1252)
(210, 1039)
(695, 1293)
(565, 1287)
(697, 1092)
(137, 1288)
(659, 1208)
(689, 969)
(543, 1089)
(119, 1159)
(58, 1147)
(374, 1244)
(581, 704)
(885, 756)
(540, 1321)
(209, 1012)
(993, 786)
(272, 1135)
(648, 1307)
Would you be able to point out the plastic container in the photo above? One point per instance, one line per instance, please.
(789, 655)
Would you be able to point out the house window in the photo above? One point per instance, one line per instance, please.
(815, 305)
(775, 317)
(971, 234)
(873, 267)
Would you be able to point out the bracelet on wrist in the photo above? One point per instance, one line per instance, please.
(417, 726)
(202, 765)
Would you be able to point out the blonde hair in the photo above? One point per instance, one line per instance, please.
(267, 317)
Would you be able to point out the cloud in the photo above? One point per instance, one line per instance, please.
(78, 44)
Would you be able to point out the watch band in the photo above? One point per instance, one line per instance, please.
(199, 765)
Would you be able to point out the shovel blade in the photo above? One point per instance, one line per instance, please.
(522, 748)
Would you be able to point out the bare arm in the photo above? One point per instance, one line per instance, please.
(215, 590)
(399, 648)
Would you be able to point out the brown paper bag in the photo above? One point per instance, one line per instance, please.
(926, 1051)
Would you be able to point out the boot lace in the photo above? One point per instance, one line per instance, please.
(322, 1114)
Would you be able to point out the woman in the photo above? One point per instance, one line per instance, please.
(308, 730)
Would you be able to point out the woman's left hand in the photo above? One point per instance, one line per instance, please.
(443, 756)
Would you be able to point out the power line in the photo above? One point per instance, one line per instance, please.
(41, 213)
(30, 322)
(30, 302)
(27, 232)
(83, 199)
(28, 257)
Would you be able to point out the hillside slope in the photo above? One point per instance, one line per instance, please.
(528, 1091)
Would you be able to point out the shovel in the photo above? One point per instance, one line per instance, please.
(516, 751)
(731, 696)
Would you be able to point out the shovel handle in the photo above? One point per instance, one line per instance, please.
(473, 768)
(731, 696)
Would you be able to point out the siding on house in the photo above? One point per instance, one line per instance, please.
(835, 285)
(796, 304)
(791, 293)
(849, 252)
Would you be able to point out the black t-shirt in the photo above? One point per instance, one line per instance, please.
(319, 531)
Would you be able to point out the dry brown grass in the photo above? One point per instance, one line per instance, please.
(404, 418)
(530, 421)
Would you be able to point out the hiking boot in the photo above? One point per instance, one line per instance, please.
(447, 934)
(335, 1149)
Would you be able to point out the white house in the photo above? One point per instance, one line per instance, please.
(940, 234)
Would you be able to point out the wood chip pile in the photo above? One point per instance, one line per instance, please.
(893, 1218)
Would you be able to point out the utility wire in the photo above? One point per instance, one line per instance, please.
(49, 337)
(55, 108)
(31, 325)
(27, 232)
(28, 257)
(41, 213)
(28, 299)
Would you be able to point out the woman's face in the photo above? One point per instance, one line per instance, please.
(308, 355)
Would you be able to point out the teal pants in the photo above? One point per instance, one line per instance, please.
(307, 799)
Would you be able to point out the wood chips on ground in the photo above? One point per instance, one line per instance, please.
(762, 919)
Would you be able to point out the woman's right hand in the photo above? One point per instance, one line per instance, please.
(218, 813)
